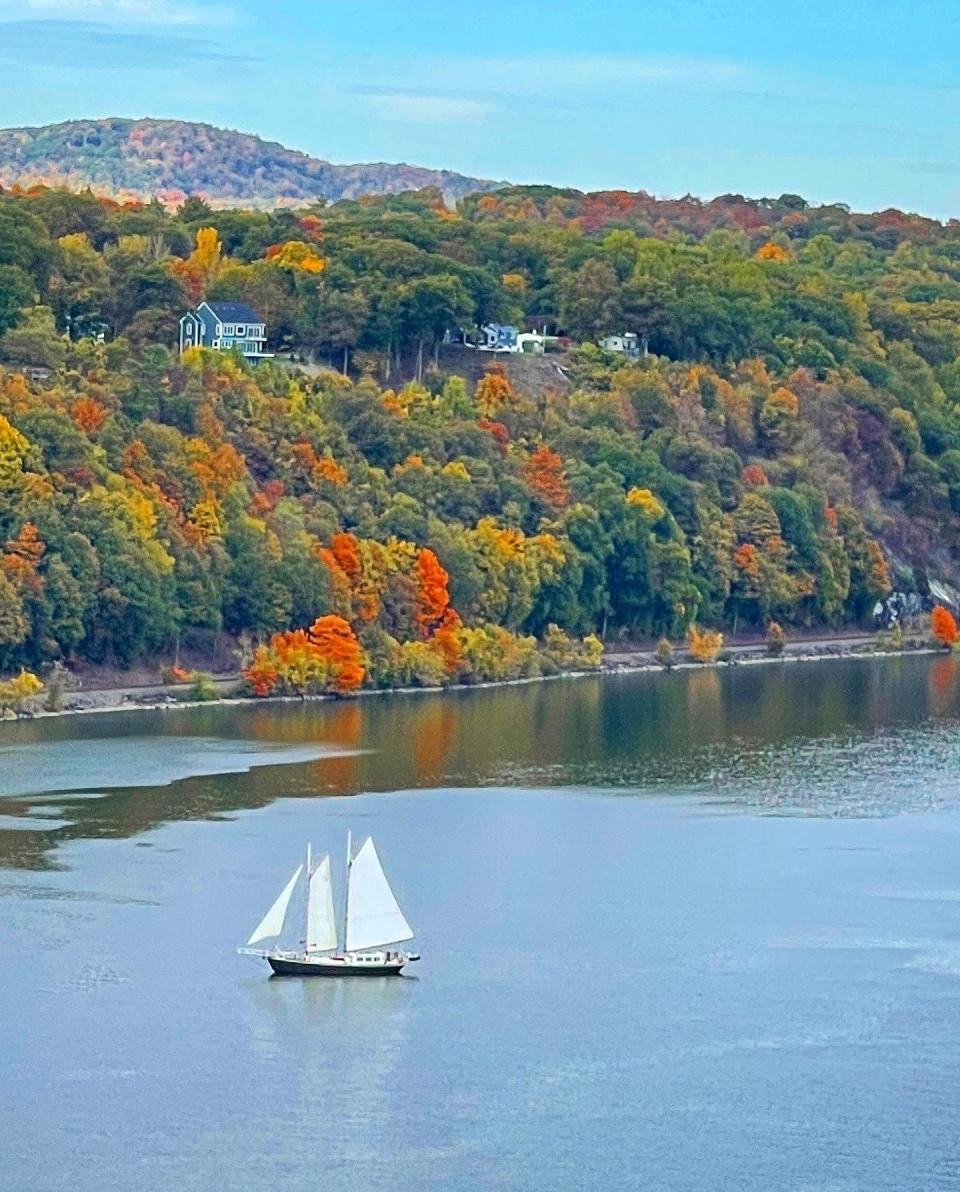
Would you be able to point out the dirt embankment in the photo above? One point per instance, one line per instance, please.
(533, 376)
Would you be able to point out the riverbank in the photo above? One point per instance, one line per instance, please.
(618, 659)
(785, 837)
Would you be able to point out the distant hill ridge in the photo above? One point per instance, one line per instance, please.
(170, 159)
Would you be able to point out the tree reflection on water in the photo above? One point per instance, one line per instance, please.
(637, 731)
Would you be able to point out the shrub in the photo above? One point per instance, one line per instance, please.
(943, 627)
(202, 690)
(704, 644)
(421, 666)
(591, 652)
(776, 639)
(664, 653)
(14, 692)
(557, 647)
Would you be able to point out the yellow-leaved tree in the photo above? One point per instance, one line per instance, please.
(704, 644)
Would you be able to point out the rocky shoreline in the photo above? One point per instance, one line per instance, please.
(616, 660)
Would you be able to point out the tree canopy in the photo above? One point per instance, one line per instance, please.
(789, 447)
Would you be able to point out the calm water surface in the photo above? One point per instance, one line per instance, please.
(697, 931)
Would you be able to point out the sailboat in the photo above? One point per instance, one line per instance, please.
(373, 923)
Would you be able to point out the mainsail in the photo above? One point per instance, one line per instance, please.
(373, 916)
(272, 922)
(321, 925)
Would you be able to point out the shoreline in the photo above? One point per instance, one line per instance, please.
(162, 698)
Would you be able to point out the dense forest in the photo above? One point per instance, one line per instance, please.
(788, 450)
(170, 159)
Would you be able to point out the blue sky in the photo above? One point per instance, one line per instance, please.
(845, 100)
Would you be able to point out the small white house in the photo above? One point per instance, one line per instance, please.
(532, 343)
(627, 343)
(497, 337)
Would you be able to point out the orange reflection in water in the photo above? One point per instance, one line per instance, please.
(434, 732)
(704, 699)
(941, 683)
(340, 728)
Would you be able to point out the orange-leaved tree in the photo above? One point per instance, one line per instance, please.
(753, 476)
(943, 626)
(325, 657)
(338, 645)
(704, 644)
(433, 599)
(261, 675)
(543, 471)
(771, 252)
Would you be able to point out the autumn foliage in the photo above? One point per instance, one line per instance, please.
(198, 271)
(433, 599)
(493, 389)
(324, 658)
(772, 252)
(544, 473)
(703, 644)
(943, 626)
(482, 522)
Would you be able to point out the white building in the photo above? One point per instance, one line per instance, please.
(627, 343)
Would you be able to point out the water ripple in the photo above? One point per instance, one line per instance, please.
(884, 773)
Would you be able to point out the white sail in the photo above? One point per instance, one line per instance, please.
(272, 922)
(373, 916)
(321, 925)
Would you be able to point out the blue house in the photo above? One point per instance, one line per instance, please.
(224, 326)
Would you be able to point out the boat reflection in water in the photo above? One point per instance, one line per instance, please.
(373, 923)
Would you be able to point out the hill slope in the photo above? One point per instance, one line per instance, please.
(788, 451)
(173, 158)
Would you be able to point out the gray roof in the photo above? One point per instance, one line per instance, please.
(234, 312)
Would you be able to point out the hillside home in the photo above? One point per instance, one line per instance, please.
(224, 326)
(531, 342)
(498, 337)
(627, 343)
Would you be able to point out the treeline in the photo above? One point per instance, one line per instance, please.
(140, 159)
(788, 451)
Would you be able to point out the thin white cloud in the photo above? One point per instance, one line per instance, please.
(560, 74)
(532, 71)
(428, 109)
(121, 12)
(512, 79)
(95, 48)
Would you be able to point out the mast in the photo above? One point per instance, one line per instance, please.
(346, 890)
(306, 912)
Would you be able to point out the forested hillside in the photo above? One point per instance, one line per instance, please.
(170, 159)
(789, 449)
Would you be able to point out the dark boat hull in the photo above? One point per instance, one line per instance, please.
(298, 968)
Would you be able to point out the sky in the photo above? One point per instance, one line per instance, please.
(854, 101)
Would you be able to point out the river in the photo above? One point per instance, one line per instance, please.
(687, 931)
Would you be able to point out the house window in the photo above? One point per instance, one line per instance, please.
(219, 329)
(241, 329)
